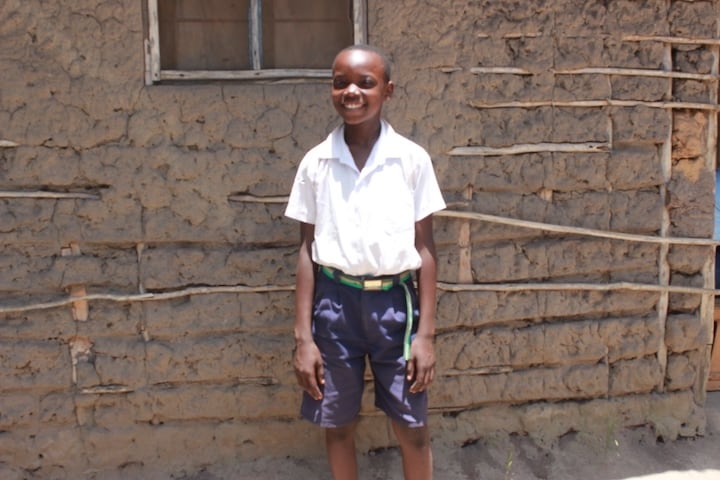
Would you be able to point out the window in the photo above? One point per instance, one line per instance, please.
(249, 39)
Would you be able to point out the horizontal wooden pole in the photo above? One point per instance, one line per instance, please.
(50, 195)
(578, 230)
(591, 147)
(558, 287)
(600, 103)
(448, 287)
(279, 73)
(145, 297)
(677, 40)
(638, 72)
(500, 70)
(548, 227)
(256, 199)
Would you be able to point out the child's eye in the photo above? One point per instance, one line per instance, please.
(340, 83)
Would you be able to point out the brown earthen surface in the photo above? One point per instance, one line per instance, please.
(156, 202)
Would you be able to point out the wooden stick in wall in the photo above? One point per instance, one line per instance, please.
(79, 307)
(676, 40)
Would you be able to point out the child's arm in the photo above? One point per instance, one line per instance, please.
(307, 360)
(421, 367)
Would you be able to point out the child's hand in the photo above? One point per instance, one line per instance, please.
(421, 366)
(309, 369)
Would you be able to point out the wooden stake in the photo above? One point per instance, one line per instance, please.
(465, 245)
(80, 307)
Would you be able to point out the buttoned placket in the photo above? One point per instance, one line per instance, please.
(358, 205)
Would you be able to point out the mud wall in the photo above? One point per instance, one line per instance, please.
(147, 270)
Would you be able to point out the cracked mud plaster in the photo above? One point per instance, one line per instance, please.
(180, 383)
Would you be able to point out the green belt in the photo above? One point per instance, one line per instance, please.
(382, 283)
(365, 282)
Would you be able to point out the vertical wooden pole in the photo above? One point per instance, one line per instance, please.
(359, 22)
(80, 308)
(152, 46)
(465, 246)
(255, 32)
(663, 263)
(711, 316)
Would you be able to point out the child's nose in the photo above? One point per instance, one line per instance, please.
(352, 89)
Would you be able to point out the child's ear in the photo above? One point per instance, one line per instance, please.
(389, 89)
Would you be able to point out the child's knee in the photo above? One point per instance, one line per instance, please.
(340, 434)
(417, 438)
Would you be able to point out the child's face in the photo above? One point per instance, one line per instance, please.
(359, 87)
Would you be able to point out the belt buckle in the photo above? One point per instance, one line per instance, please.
(374, 284)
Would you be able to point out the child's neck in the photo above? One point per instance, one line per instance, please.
(361, 139)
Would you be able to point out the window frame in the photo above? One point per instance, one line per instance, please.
(154, 74)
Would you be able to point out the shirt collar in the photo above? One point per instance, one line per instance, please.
(379, 153)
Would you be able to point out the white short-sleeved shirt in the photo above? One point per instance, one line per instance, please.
(365, 220)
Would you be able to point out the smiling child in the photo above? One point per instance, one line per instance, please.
(364, 198)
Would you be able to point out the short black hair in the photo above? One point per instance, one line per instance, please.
(387, 65)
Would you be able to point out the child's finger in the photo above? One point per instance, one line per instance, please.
(419, 384)
(423, 379)
(320, 374)
(410, 370)
(314, 380)
(313, 389)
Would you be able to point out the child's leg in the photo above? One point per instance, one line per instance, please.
(416, 452)
(340, 444)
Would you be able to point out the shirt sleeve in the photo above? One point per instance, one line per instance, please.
(428, 197)
(301, 204)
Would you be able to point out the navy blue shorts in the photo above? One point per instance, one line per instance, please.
(350, 324)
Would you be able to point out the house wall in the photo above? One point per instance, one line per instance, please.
(146, 289)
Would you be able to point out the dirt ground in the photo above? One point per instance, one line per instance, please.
(631, 454)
